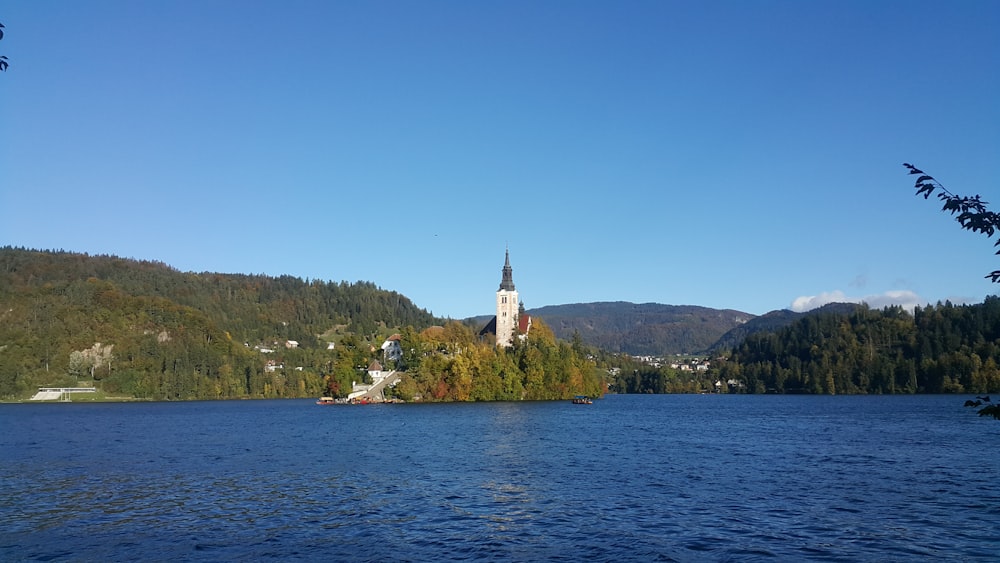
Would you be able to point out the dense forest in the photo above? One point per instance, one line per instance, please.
(142, 329)
(942, 348)
(774, 321)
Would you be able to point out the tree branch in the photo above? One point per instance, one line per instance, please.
(971, 213)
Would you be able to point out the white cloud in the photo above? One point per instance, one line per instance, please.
(904, 298)
(810, 302)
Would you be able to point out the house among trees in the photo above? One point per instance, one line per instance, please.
(391, 349)
(375, 371)
(510, 319)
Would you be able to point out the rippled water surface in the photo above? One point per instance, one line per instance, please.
(629, 478)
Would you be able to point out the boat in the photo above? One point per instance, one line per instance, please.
(326, 401)
(582, 400)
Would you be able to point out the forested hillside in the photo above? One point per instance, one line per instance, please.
(938, 349)
(149, 330)
(773, 321)
(642, 329)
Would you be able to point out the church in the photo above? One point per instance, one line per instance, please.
(510, 319)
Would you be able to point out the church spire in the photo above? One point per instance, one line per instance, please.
(507, 283)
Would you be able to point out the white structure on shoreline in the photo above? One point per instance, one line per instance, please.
(59, 393)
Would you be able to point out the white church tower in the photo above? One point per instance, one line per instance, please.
(507, 305)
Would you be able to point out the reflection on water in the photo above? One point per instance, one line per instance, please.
(629, 478)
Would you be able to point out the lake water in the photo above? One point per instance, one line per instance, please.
(629, 478)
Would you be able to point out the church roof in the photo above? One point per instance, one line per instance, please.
(490, 328)
(523, 324)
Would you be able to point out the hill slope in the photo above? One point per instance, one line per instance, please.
(770, 322)
(251, 307)
(853, 349)
(68, 313)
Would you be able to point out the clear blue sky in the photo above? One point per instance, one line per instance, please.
(730, 154)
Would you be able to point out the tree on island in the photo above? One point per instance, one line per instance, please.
(974, 216)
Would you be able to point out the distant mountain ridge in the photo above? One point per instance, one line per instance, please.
(644, 328)
(656, 329)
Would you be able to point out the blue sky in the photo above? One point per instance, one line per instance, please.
(730, 154)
